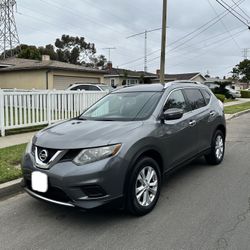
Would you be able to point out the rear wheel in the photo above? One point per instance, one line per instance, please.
(144, 187)
(217, 149)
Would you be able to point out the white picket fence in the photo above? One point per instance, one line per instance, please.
(32, 108)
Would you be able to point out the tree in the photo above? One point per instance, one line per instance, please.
(67, 49)
(76, 50)
(29, 52)
(49, 50)
(222, 88)
(242, 71)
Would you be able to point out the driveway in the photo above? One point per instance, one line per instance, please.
(201, 207)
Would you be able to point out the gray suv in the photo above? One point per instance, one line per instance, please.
(119, 149)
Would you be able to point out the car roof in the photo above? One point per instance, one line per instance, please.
(93, 84)
(157, 87)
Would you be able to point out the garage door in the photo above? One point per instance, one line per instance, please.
(63, 82)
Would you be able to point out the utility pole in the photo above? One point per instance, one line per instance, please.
(245, 53)
(109, 51)
(9, 39)
(145, 33)
(163, 42)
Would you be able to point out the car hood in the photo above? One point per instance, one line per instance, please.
(74, 134)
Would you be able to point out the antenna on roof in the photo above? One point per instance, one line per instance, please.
(109, 50)
(145, 33)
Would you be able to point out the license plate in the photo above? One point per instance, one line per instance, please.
(39, 182)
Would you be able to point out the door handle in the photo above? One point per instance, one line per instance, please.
(192, 123)
(212, 113)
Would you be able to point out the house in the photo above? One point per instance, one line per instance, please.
(46, 74)
(197, 77)
(118, 76)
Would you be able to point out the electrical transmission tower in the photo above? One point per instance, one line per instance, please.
(246, 52)
(9, 39)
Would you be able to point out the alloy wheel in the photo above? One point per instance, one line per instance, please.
(146, 186)
(219, 147)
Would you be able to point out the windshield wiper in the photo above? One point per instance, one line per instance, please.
(81, 118)
(105, 120)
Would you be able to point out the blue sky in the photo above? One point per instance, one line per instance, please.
(107, 23)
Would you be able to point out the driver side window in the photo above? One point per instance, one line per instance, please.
(176, 100)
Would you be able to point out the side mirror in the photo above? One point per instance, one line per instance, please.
(172, 114)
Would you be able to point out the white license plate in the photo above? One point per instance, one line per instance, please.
(39, 182)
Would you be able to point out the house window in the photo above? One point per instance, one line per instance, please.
(112, 82)
(132, 81)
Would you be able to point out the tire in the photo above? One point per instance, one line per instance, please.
(141, 202)
(216, 156)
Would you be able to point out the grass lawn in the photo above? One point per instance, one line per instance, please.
(237, 108)
(10, 158)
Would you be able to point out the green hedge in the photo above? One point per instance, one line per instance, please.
(245, 93)
(220, 97)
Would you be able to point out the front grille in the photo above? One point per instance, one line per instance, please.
(51, 153)
(53, 193)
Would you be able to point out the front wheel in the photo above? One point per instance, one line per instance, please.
(217, 149)
(144, 187)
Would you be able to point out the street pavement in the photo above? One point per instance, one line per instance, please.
(200, 207)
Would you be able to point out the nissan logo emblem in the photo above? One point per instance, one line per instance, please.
(43, 155)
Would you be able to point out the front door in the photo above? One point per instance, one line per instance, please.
(179, 138)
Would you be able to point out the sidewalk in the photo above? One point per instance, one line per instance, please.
(17, 139)
(239, 101)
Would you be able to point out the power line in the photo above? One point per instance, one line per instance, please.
(209, 24)
(77, 13)
(209, 45)
(225, 27)
(244, 12)
(233, 13)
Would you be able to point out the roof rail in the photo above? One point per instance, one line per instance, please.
(180, 81)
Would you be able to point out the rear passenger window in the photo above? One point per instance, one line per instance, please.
(206, 95)
(176, 100)
(195, 98)
(93, 88)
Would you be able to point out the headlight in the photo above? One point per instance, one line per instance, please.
(96, 154)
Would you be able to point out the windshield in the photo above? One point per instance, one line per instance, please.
(123, 107)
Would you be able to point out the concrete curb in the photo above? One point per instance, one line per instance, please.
(10, 188)
(14, 187)
(230, 117)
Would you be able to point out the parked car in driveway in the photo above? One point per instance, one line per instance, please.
(233, 93)
(119, 149)
(90, 87)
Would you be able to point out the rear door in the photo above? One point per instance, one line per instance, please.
(200, 114)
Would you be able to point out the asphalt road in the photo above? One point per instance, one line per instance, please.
(201, 207)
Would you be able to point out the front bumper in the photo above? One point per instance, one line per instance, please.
(89, 186)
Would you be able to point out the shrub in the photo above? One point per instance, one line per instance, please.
(245, 93)
(220, 97)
